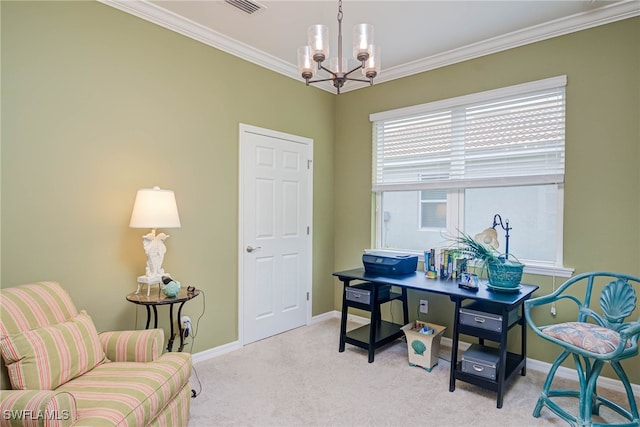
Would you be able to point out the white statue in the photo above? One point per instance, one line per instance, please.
(155, 249)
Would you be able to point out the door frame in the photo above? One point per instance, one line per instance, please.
(245, 129)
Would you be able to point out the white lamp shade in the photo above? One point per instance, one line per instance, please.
(155, 208)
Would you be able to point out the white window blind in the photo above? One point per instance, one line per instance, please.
(509, 136)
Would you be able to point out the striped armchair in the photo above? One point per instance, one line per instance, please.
(57, 370)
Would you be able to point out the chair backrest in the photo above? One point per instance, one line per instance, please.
(27, 307)
(617, 300)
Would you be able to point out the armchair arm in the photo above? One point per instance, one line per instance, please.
(46, 408)
(630, 332)
(545, 300)
(628, 338)
(133, 346)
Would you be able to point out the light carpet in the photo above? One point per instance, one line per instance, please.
(299, 378)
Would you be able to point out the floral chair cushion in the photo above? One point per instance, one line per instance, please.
(587, 336)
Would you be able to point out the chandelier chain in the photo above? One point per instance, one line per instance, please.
(339, 38)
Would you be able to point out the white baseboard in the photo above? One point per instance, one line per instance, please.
(536, 365)
(215, 352)
(324, 316)
(236, 345)
(571, 374)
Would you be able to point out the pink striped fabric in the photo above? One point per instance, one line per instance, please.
(124, 394)
(46, 357)
(34, 306)
(176, 413)
(133, 346)
(48, 408)
(48, 343)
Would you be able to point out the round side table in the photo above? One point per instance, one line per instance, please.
(153, 301)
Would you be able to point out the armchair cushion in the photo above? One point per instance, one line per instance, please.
(47, 357)
(36, 408)
(588, 336)
(129, 393)
(133, 346)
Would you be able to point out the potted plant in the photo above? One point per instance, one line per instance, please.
(503, 273)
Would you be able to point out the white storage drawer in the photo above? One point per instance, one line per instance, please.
(485, 316)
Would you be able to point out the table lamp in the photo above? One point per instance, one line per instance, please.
(154, 208)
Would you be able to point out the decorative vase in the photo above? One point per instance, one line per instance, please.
(171, 289)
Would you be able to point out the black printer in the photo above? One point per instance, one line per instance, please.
(385, 264)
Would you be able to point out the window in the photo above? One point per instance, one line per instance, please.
(453, 164)
(433, 209)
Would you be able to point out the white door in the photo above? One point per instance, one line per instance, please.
(275, 232)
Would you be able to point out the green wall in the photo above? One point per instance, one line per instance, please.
(96, 104)
(602, 201)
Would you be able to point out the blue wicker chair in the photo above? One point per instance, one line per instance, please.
(598, 336)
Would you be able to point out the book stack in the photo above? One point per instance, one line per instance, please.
(447, 264)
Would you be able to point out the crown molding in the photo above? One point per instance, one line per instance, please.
(174, 22)
(581, 21)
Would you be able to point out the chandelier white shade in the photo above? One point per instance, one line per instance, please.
(312, 56)
(362, 39)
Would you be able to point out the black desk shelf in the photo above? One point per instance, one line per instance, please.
(386, 332)
(514, 363)
(378, 332)
(510, 363)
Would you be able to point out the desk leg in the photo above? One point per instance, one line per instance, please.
(502, 368)
(343, 320)
(405, 308)
(524, 341)
(454, 345)
(376, 319)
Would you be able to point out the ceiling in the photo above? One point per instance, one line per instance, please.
(414, 36)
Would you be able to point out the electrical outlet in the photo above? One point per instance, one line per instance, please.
(186, 326)
(424, 306)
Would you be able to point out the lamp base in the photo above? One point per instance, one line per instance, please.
(150, 281)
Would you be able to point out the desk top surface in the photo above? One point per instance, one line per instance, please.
(419, 281)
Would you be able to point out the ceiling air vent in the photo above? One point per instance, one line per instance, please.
(246, 6)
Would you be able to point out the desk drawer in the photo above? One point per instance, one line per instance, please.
(481, 361)
(485, 316)
(362, 292)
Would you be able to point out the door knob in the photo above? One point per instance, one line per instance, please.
(251, 248)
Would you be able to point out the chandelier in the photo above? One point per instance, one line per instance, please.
(367, 54)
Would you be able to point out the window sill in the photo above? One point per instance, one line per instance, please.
(548, 270)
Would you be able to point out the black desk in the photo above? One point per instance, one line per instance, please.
(510, 363)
